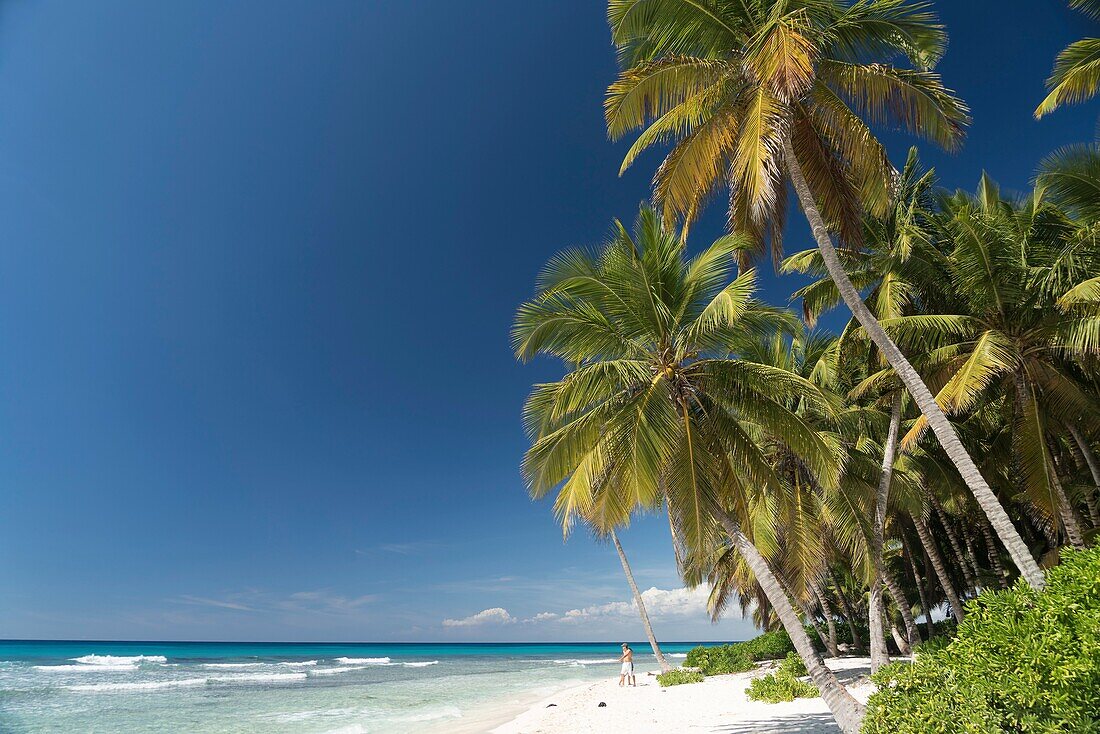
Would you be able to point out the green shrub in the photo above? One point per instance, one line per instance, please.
(768, 646)
(792, 665)
(779, 686)
(679, 677)
(719, 660)
(1023, 661)
(739, 657)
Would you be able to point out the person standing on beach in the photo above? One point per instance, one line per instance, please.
(626, 673)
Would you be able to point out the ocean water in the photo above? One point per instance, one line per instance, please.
(139, 687)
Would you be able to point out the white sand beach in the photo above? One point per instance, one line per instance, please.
(716, 705)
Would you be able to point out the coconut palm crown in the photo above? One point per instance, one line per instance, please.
(730, 82)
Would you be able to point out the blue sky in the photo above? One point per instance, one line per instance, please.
(259, 263)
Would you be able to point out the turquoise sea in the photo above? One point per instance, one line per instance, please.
(205, 687)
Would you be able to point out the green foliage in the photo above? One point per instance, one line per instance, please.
(780, 686)
(793, 665)
(679, 677)
(768, 646)
(1023, 661)
(740, 656)
(719, 660)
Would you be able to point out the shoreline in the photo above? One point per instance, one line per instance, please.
(719, 702)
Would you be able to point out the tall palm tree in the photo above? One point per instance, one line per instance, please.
(755, 93)
(640, 603)
(998, 331)
(655, 409)
(1076, 74)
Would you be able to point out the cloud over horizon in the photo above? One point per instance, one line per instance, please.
(682, 602)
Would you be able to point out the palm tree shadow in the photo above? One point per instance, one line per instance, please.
(822, 723)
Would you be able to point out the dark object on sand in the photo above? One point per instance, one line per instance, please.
(602, 705)
(550, 704)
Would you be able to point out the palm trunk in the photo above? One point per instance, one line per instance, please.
(936, 560)
(953, 538)
(968, 539)
(665, 667)
(846, 710)
(1068, 512)
(931, 410)
(849, 617)
(892, 585)
(830, 623)
(808, 612)
(879, 656)
(925, 607)
(1094, 469)
(899, 639)
(994, 556)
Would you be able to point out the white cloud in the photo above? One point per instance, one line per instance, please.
(658, 603)
(496, 615)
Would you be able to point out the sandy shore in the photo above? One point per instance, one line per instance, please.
(716, 705)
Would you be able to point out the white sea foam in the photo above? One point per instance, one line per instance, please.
(151, 686)
(423, 664)
(119, 659)
(363, 661)
(85, 668)
(231, 666)
(677, 655)
(336, 671)
(299, 663)
(259, 678)
(590, 661)
(350, 729)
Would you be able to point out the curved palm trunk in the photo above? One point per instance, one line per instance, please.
(892, 585)
(830, 623)
(968, 539)
(994, 556)
(879, 656)
(665, 667)
(846, 710)
(953, 538)
(936, 560)
(925, 607)
(849, 616)
(931, 410)
(899, 639)
(1067, 512)
(1094, 469)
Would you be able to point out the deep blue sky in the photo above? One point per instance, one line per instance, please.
(259, 263)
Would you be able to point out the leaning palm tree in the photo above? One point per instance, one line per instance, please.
(655, 409)
(1076, 74)
(640, 603)
(757, 93)
(998, 333)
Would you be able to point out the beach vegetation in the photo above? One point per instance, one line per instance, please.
(778, 687)
(679, 677)
(1023, 661)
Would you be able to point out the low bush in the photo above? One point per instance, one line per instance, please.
(779, 686)
(679, 677)
(793, 665)
(768, 646)
(719, 660)
(1022, 661)
(739, 656)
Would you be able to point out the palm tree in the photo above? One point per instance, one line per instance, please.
(640, 603)
(754, 94)
(1076, 74)
(998, 331)
(656, 409)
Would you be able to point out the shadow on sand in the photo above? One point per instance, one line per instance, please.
(785, 724)
(805, 723)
